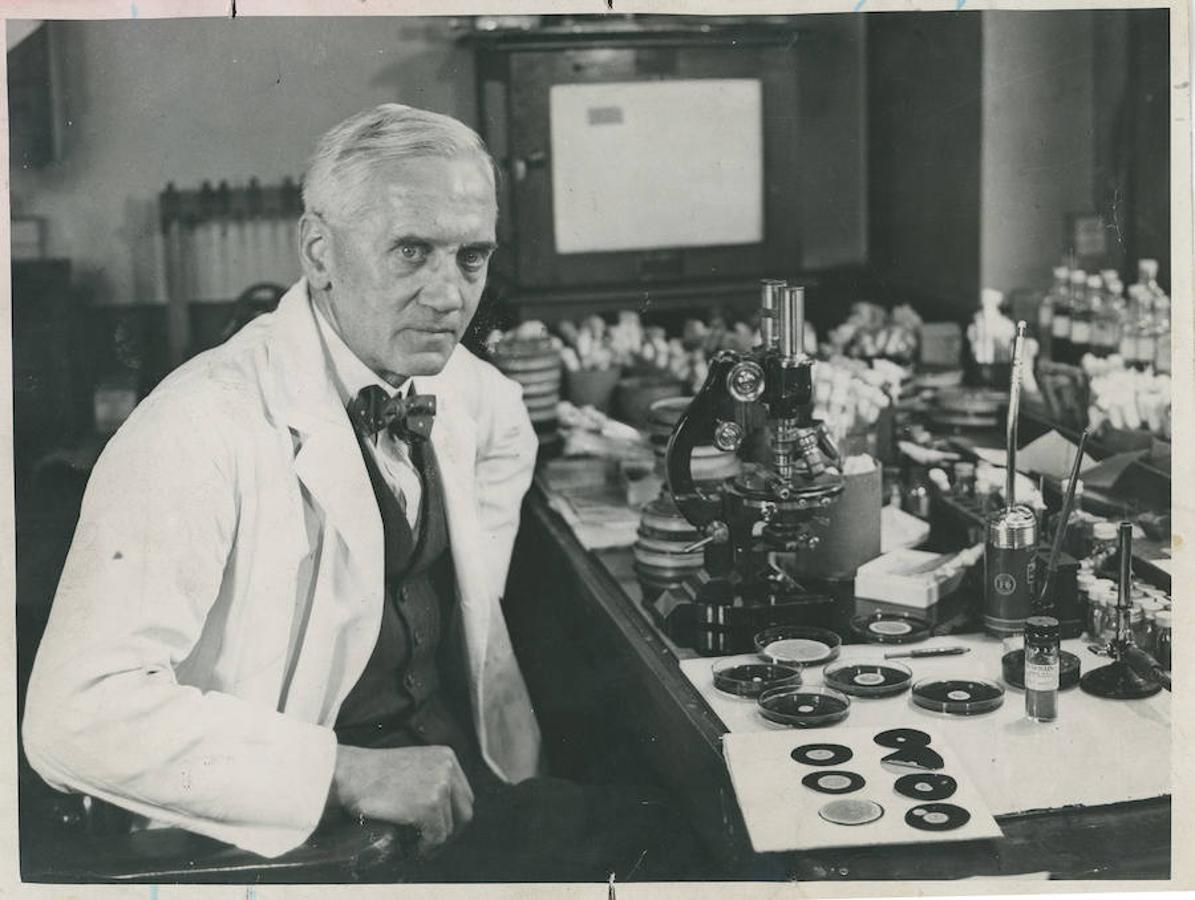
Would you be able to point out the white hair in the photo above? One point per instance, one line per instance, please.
(347, 154)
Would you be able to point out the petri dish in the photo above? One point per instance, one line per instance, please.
(796, 645)
(803, 706)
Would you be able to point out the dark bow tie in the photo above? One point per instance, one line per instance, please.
(409, 419)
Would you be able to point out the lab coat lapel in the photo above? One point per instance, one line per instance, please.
(349, 576)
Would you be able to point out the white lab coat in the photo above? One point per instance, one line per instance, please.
(223, 591)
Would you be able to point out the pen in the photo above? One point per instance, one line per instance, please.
(933, 651)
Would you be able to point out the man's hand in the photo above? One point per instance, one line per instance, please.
(420, 786)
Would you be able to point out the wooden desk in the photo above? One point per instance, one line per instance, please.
(607, 684)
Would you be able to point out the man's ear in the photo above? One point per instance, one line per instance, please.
(315, 250)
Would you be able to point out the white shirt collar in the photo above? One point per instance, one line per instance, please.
(348, 371)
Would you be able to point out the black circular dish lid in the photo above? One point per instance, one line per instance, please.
(926, 786)
(834, 781)
(896, 738)
(751, 679)
(868, 679)
(958, 696)
(822, 754)
(937, 817)
(891, 628)
(804, 707)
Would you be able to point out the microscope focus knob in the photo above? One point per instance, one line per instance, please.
(746, 382)
(715, 533)
(728, 435)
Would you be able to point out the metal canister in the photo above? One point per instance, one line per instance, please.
(1010, 570)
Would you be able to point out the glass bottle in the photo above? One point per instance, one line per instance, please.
(1143, 327)
(1080, 316)
(1060, 323)
(1043, 668)
(1103, 546)
(1163, 639)
(1114, 315)
(1161, 331)
(1104, 333)
(1128, 327)
(1045, 313)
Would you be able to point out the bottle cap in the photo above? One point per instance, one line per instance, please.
(1103, 531)
(1041, 628)
(1095, 282)
(1060, 272)
(1078, 276)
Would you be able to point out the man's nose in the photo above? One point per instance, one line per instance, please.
(442, 292)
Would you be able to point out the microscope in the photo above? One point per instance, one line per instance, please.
(777, 504)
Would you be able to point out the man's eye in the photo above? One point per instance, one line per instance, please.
(473, 260)
(412, 252)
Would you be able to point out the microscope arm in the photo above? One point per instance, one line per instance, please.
(696, 427)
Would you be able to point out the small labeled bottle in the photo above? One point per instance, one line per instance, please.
(1043, 668)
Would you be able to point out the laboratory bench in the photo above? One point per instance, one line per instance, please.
(614, 700)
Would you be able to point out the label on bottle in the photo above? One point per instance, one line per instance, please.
(1128, 348)
(1080, 331)
(1060, 327)
(1041, 677)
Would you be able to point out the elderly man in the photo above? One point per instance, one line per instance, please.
(283, 592)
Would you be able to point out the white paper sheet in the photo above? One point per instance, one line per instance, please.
(781, 813)
(1097, 752)
(651, 164)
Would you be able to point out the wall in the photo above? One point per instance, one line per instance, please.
(924, 127)
(1039, 143)
(832, 139)
(147, 102)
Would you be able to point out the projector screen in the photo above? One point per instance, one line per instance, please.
(652, 164)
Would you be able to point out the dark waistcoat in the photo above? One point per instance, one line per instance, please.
(413, 688)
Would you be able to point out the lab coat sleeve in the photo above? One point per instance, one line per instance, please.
(506, 450)
(105, 714)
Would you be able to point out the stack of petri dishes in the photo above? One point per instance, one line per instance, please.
(535, 364)
(661, 561)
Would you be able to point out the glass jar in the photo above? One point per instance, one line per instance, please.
(1151, 608)
(1163, 639)
(1101, 614)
